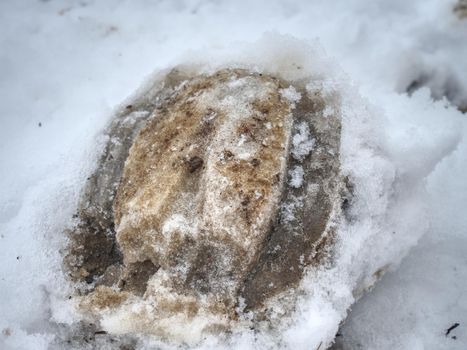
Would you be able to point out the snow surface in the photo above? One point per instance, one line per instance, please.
(66, 65)
(296, 176)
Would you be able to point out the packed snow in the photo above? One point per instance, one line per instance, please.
(66, 66)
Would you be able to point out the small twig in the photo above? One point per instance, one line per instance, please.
(454, 326)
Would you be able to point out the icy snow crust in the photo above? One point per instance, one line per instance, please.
(392, 161)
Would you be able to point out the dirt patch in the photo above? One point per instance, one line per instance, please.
(460, 9)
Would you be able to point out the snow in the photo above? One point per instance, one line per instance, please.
(296, 176)
(291, 94)
(68, 65)
(302, 142)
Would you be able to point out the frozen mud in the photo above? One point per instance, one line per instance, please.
(212, 198)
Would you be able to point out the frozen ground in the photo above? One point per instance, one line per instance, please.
(65, 65)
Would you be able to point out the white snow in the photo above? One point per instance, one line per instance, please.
(291, 94)
(302, 142)
(67, 65)
(296, 176)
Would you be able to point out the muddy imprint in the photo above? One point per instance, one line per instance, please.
(213, 196)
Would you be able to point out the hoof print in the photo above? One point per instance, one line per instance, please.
(212, 198)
